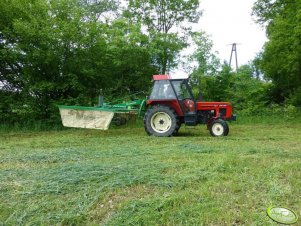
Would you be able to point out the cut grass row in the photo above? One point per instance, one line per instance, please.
(124, 177)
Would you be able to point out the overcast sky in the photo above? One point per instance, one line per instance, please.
(230, 21)
(227, 22)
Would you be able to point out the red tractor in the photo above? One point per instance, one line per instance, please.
(171, 104)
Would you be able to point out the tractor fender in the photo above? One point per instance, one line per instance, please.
(211, 120)
(172, 103)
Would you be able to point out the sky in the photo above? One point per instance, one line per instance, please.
(230, 21)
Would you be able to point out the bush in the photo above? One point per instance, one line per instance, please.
(274, 113)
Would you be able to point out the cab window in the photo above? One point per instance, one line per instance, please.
(181, 90)
(162, 90)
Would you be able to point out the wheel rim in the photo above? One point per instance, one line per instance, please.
(218, 129)
(161, 122)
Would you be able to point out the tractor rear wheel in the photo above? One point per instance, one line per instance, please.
(160, 121)
(177, 128)
(219, 128)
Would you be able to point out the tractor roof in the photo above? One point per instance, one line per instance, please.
(166, 77)
(161, 77)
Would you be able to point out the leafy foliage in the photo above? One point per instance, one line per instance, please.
(281, 57)
(163, 20)
(61, 52)
(217, 82)
(207, 62)
(70, 51)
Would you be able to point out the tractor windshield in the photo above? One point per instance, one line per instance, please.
(181, 90)
(162, 90)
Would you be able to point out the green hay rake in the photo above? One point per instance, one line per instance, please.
(102, 116)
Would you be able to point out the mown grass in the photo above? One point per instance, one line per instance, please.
(124, 177)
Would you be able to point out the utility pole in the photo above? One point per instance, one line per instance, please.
(235, 51)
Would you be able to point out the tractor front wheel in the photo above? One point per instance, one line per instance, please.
(219, 128)
(160, 121)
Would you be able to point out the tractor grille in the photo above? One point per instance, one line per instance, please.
(204, 116)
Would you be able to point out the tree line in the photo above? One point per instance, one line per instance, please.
(70, 51)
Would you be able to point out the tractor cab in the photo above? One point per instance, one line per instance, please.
(176, 94)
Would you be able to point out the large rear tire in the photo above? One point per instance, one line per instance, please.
(160, 121)
(177, 128)
(219, 128)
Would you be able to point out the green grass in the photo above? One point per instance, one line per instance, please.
(124, 177)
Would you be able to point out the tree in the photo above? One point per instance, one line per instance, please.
(60, 52)
(163, 19)
(281, 57)
(42, 42)
(206, 67)
(207, 62)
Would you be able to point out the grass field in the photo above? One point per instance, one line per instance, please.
(124, 177)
